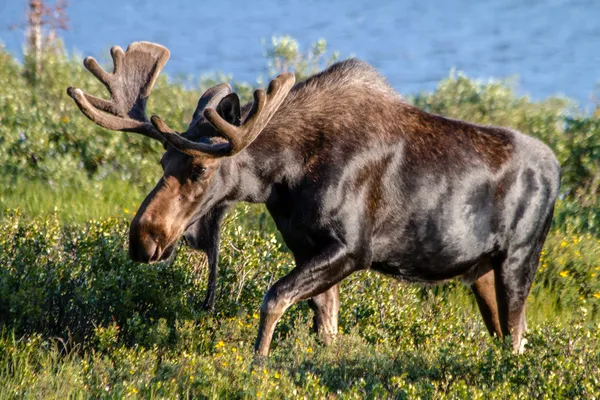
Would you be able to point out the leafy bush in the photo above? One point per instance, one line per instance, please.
(138, 329)
(45, 139)
(69, 280)
(79, 319)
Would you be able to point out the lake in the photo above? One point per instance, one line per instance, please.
(553, 46)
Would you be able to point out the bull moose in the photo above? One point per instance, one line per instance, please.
(354, 177)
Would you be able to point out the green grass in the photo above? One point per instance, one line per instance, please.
(444, 353)
(79, 319)
(73, 203)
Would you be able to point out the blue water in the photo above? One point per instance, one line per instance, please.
(553, 46)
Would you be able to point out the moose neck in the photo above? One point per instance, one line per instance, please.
(257, 169)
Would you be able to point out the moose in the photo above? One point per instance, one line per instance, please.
(354, 177)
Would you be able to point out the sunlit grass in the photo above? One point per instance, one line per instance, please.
(72, 202)
(80, 320)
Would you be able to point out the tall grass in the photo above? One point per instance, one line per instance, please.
(73, 203)
(79, 319)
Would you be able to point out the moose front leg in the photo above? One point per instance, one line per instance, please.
(204, 235)
(303, 282)
(211, 289)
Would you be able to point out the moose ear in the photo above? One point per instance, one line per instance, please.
(229, 109)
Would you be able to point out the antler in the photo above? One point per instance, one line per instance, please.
(130, 84)
(264, 107)
(239, 137)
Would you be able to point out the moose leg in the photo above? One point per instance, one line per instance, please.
(485, 293)
(513, 281)
(303, 282)
(513, 276)
(211, 290)
(326, 307)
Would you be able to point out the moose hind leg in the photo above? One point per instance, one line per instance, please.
(513, 278)
(484, 290)
(511, 294)
(326, 307)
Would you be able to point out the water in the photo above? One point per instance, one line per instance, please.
(553, 46)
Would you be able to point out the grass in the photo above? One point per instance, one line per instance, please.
(73, 203)
(79, 319)
(444, 354)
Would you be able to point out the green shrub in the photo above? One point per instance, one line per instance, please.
(45, 140)
(79, 319)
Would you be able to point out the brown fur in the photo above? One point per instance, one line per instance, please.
(316, 112)
(354, 178)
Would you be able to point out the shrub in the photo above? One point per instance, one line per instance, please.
(79, 319)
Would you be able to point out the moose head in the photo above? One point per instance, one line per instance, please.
(195, 168)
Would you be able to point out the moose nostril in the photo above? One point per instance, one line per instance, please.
(156, 255)
(142, 251)
(146, 238)
(143, 246)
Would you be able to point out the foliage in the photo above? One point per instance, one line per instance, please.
(284, 55)
(213, 360)
(43, 138)
(138, 329)
(79, 319)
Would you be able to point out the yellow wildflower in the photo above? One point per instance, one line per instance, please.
(563, 243)
(597, 295)
(276, 375)
(564, 274)
(219, 345)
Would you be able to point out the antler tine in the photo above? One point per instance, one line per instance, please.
(264, 107)
(110, 121)
(129, 85)
(193, 149)
(118, 55)
(92, 65)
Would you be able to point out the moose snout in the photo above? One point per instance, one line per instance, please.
(145, 241)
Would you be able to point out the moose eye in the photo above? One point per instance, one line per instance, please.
(197, 173)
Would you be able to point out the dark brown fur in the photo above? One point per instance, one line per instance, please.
(356, 178)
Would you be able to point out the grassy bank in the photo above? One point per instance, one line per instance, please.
(79, 319)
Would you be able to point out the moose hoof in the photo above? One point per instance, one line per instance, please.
(521, 348)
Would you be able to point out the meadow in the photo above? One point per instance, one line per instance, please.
(79, 319)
